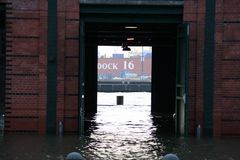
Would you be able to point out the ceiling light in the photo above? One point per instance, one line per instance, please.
(131, 27)
(130, 39)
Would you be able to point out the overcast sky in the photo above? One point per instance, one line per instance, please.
(135, 50)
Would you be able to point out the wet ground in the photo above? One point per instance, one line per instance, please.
(128, 131)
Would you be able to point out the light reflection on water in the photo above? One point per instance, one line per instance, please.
(119, 132)
(125, 131)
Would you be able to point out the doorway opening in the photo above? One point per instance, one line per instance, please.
(124, 87)
(163, 41)
(155, 26)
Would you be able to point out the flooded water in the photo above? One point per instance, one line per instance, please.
(127, 131)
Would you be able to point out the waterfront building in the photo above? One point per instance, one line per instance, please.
(48, 60)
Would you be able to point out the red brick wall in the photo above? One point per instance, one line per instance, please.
(26, 65)
(68, 67)
(226, 109)
(194, 14)
(227, 72)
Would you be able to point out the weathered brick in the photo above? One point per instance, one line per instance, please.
(72, 47)
(231, 50)
(231, 32)
(23, 124)
(231, 69)
(71, 85)
(25, 4)
(71, 104)
(72, 29)
(230, 128)
(72, 6)
(26, 28)
(25, 46)
(72, 66)
(231, 87)
(231, 6)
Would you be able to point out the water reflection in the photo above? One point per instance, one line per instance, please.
(119, 132)
(124, 132)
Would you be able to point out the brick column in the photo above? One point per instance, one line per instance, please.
(217, 109)
(228, 74)
(71, 66)
(61, 61)
(194, 14)
(42, 99)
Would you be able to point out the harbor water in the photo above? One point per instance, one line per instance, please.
(117, 132)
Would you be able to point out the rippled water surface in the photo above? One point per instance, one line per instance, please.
(128, 131)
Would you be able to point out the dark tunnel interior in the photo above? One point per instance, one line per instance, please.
(162, 38)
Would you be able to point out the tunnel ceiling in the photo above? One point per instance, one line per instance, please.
(116, 34)
(134, 2)
(105, 24)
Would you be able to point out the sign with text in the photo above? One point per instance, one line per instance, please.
(120, 67)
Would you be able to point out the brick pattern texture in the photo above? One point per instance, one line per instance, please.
(68, 64)
(26, 79)
(226, 108)
(26, 52)
(27, 65)
(194, 14)
(227, 70)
